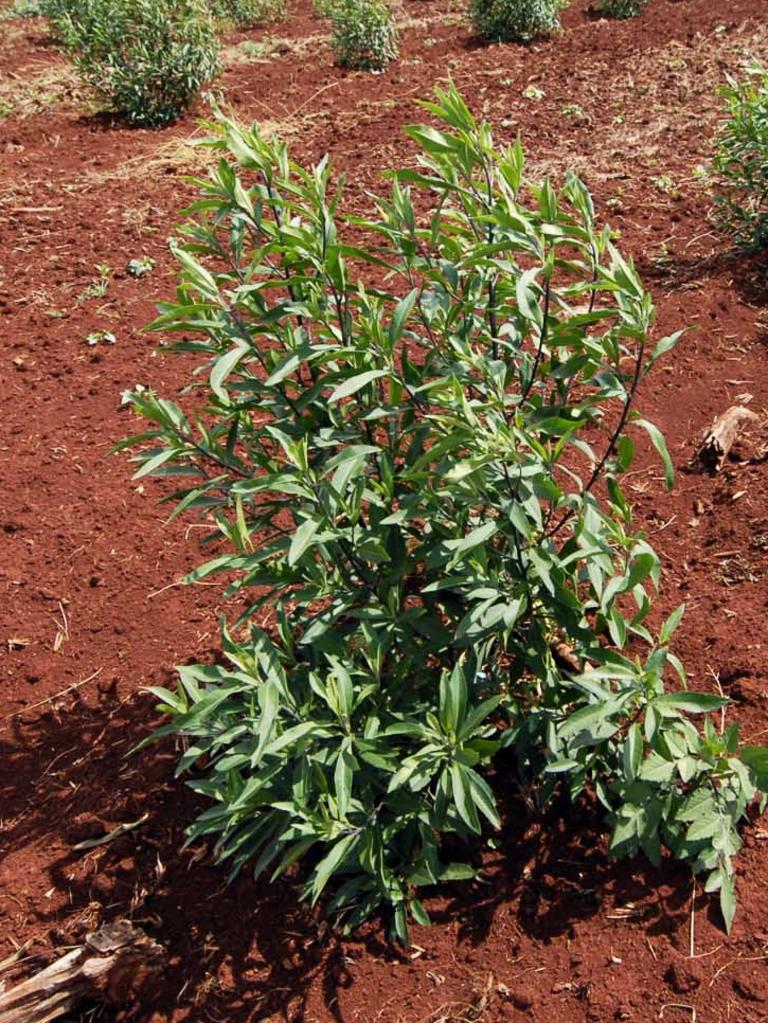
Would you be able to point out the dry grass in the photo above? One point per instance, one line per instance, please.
(636, 112)
(35, 88)
(270, 48)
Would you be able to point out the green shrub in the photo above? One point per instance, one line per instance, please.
(146, 58)
(246, 13)
(23, 9)
(622, 8)
(417, 488)
(741, 161)
(363, 34)
(515, 21)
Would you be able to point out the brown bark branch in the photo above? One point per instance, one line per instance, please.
(112, 967)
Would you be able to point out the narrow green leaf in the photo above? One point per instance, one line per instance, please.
(658, 441)
(727, 898)
(302, 539)
(691, 703)
(356, 383)
(222, 369)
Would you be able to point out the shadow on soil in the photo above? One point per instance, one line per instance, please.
(554, 870)
(249, 951)
(747, 272)
(237, 953)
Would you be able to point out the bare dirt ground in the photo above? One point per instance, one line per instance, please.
(89, 615)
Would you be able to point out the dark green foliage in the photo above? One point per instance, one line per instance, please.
(147, 59)
(23, 9)
(417, 489)
(515, 21)
(363, 34)
(622, 8)
(741, 161)
(247, 13)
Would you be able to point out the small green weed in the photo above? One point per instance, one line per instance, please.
(741, 161)
(141, 266)
(99, 286)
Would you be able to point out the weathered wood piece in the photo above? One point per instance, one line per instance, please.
(720, 438)
(114, 965)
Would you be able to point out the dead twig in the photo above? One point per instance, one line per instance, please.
(14, 957)
(731, 962)
(118, 832)
(56, 696)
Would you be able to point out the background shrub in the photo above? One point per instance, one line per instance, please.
(622, 8)
(363, 34)
(246, 13)
(23, 9)
(146, 58)
(418, 489)
(517, 21)
(741, 161)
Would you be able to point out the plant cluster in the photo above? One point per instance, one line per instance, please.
(417, 485)
(741, 160)
(147, 59)
(363, 34)
(23, 9)
(515, 21)
(622, 8)
(246, 13)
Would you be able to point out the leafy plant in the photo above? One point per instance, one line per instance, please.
(101, 337)
(622, 8)
(246, 13)
(689, 794)
(741, 160)
(411, 448)
(23, 9)
(323, 8)
(515, 21)
(141, 266)
(146, 58)
(99, 286)
(363, 34)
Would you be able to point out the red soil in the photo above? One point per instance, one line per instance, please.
(557, 930)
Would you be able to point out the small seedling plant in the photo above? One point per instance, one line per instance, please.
(408, 434)
(140, 266)
(515, 21)
(99, 286)
(741, 160)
